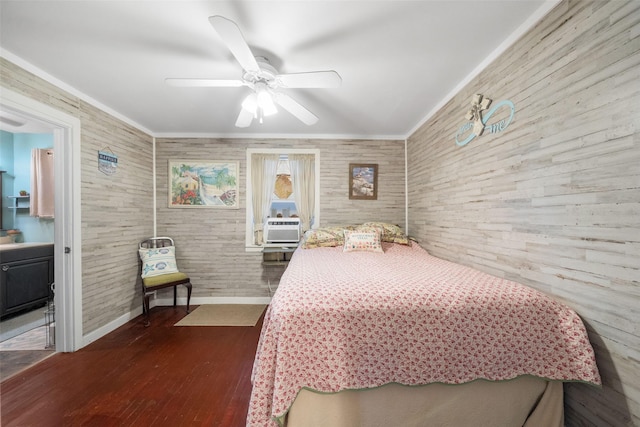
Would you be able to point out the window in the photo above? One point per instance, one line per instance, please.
(281, 182)
(283, 201)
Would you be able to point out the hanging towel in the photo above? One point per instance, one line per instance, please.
(42, 189)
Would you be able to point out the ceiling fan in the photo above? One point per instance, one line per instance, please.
(262, 78)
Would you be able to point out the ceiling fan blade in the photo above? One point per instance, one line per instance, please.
(292, 106)
(204, 83)
(244, 118)
(313, 79)
(233, 38)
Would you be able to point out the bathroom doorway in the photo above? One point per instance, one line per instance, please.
(67, 243)
(27, 310)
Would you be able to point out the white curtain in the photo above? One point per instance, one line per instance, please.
(263, 179)
(303, 177)
(41, 202)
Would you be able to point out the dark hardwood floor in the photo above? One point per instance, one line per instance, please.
(136, 376)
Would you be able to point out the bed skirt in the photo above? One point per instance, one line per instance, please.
(525, 401)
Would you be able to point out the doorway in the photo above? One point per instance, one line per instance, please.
(27, 244)
(67, 242)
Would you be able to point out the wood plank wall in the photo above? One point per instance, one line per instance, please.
(210, 243)
(116, 210)
(553, 201)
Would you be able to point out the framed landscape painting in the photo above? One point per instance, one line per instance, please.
(203, 184)
(363, 181)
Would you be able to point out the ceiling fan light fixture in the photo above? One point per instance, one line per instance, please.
(265, 100)
(250, 103)
(268, 107)
(260, 102)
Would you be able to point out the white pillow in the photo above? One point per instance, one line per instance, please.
(368, 241)
(158, 261)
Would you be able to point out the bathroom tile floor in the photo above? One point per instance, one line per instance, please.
(24, 343)
(35, 339)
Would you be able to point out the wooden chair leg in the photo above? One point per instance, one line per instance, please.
(145, 309)
(175, 295)
(188, 286)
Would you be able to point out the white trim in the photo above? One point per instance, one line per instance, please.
(73, 91)
(249, 246)
(513, 37)
(547, 6)
(281, 136)
(111, 326)
(153, 186)
(68, 267)
(66, 87)
(406, 189)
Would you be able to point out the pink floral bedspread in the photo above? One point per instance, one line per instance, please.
(359, 320)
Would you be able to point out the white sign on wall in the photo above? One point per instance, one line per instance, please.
(107, 162)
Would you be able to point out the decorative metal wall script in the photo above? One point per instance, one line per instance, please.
(494, 120)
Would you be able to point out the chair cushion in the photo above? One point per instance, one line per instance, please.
(163, 279)
(157, 261)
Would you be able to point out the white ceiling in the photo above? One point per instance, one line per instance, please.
(398, 59)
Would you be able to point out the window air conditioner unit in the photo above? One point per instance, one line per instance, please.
(282, 230)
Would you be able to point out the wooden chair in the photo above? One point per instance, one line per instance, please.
(159, 270)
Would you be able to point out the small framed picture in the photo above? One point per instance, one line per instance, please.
(363, 181)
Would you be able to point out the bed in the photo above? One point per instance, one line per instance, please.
(390, 335)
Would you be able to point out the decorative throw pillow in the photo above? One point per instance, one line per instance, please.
(157, 261)
(361, 240)
(391, 233)
(324, 237)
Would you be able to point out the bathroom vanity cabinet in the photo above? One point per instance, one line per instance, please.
(26, 275)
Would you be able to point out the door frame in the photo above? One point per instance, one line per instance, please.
(67, 225)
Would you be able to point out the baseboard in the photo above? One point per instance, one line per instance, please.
(109, 327)
(115, 324)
